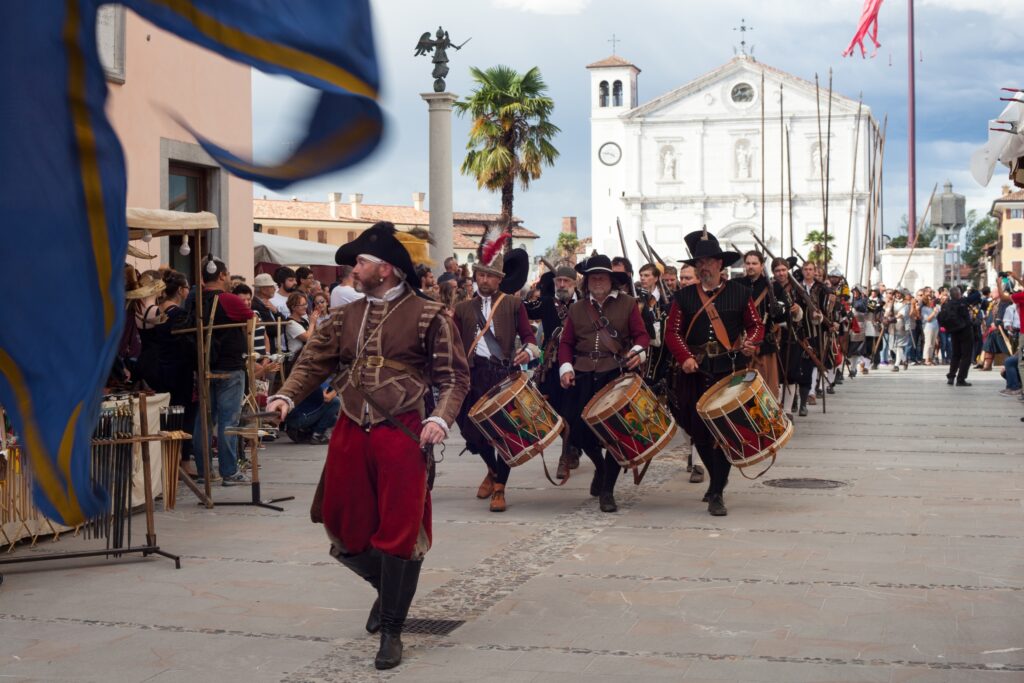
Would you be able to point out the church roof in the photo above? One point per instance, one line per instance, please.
(614, 60)
(740, 63)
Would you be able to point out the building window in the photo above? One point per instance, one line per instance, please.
(617, 94)
(602, 95)
(271, 231)
(187, 190)
(1016, 268)
(1016, 213)
(351, 235)
(321, 236)
(303, 234)
(1015, 239)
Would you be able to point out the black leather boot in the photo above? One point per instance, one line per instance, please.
(716, 505)
(596, 482)
(368, 566)
(398, 582)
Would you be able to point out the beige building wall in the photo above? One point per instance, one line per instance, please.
(214, 96)
(1012, 238)
(1009, 211)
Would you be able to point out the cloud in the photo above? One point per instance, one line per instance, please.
(1004, 9)
(544, 6)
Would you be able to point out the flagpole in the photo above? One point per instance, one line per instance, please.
(911, 131)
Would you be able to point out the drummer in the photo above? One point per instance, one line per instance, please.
(492, 354)
(603, 337)
(713, 329)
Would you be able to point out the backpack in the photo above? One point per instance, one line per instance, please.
(951, 318)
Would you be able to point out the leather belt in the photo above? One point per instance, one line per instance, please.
(712, 349)
(375, 362)
(597, 355)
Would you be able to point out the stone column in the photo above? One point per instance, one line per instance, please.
(439, 194)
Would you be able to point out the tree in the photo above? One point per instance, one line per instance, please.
(510, 139)
(924, 238)
(977, 234)
(819, 255)
(567, 244)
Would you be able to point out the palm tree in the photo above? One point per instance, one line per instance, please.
(510, 139)
(820, 254)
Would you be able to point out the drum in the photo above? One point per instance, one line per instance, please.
(742, 414)
(629, 421)
(514, 418)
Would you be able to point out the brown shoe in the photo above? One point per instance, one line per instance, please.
(697, 475)
(498, 498)
(811, 401)
(574, 458)
(563, 468)
(486, 487)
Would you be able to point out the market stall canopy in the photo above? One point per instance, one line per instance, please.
(291, 251)
(161, 222)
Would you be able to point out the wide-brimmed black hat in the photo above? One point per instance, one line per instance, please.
(380, 241)
(599, 263)
(703, 244)
(516, 270)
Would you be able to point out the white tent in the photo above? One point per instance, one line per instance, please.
(291, 251)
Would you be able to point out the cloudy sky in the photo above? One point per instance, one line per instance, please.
(965, 54)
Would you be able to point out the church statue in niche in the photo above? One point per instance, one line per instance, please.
(744, 157)
(816, 160)
(668, 163)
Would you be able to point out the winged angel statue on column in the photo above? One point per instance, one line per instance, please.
(439, 47)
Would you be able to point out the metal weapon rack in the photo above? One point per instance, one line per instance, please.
(112, 463)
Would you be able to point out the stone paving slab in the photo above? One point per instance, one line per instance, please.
(913, 571)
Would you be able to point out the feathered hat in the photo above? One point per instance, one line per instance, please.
(489, 258)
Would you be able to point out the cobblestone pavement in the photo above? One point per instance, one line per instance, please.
(911, 570)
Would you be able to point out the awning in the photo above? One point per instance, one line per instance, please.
(288, 251)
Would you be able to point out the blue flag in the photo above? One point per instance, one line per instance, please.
(62, 203)
(325, 44)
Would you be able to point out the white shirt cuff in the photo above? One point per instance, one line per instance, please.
(438, 421)
(639, 350)
(282, 397)
(532, 351)
(564, 368)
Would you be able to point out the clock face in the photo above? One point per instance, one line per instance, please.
(609, 154)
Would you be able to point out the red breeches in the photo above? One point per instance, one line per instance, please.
(375, 489)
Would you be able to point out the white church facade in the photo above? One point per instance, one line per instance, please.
(692, 157)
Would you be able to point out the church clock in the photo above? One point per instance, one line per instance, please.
(609, 154)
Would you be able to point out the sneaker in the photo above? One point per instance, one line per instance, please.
(1010, 392)
(319, 439)
(236, 479)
